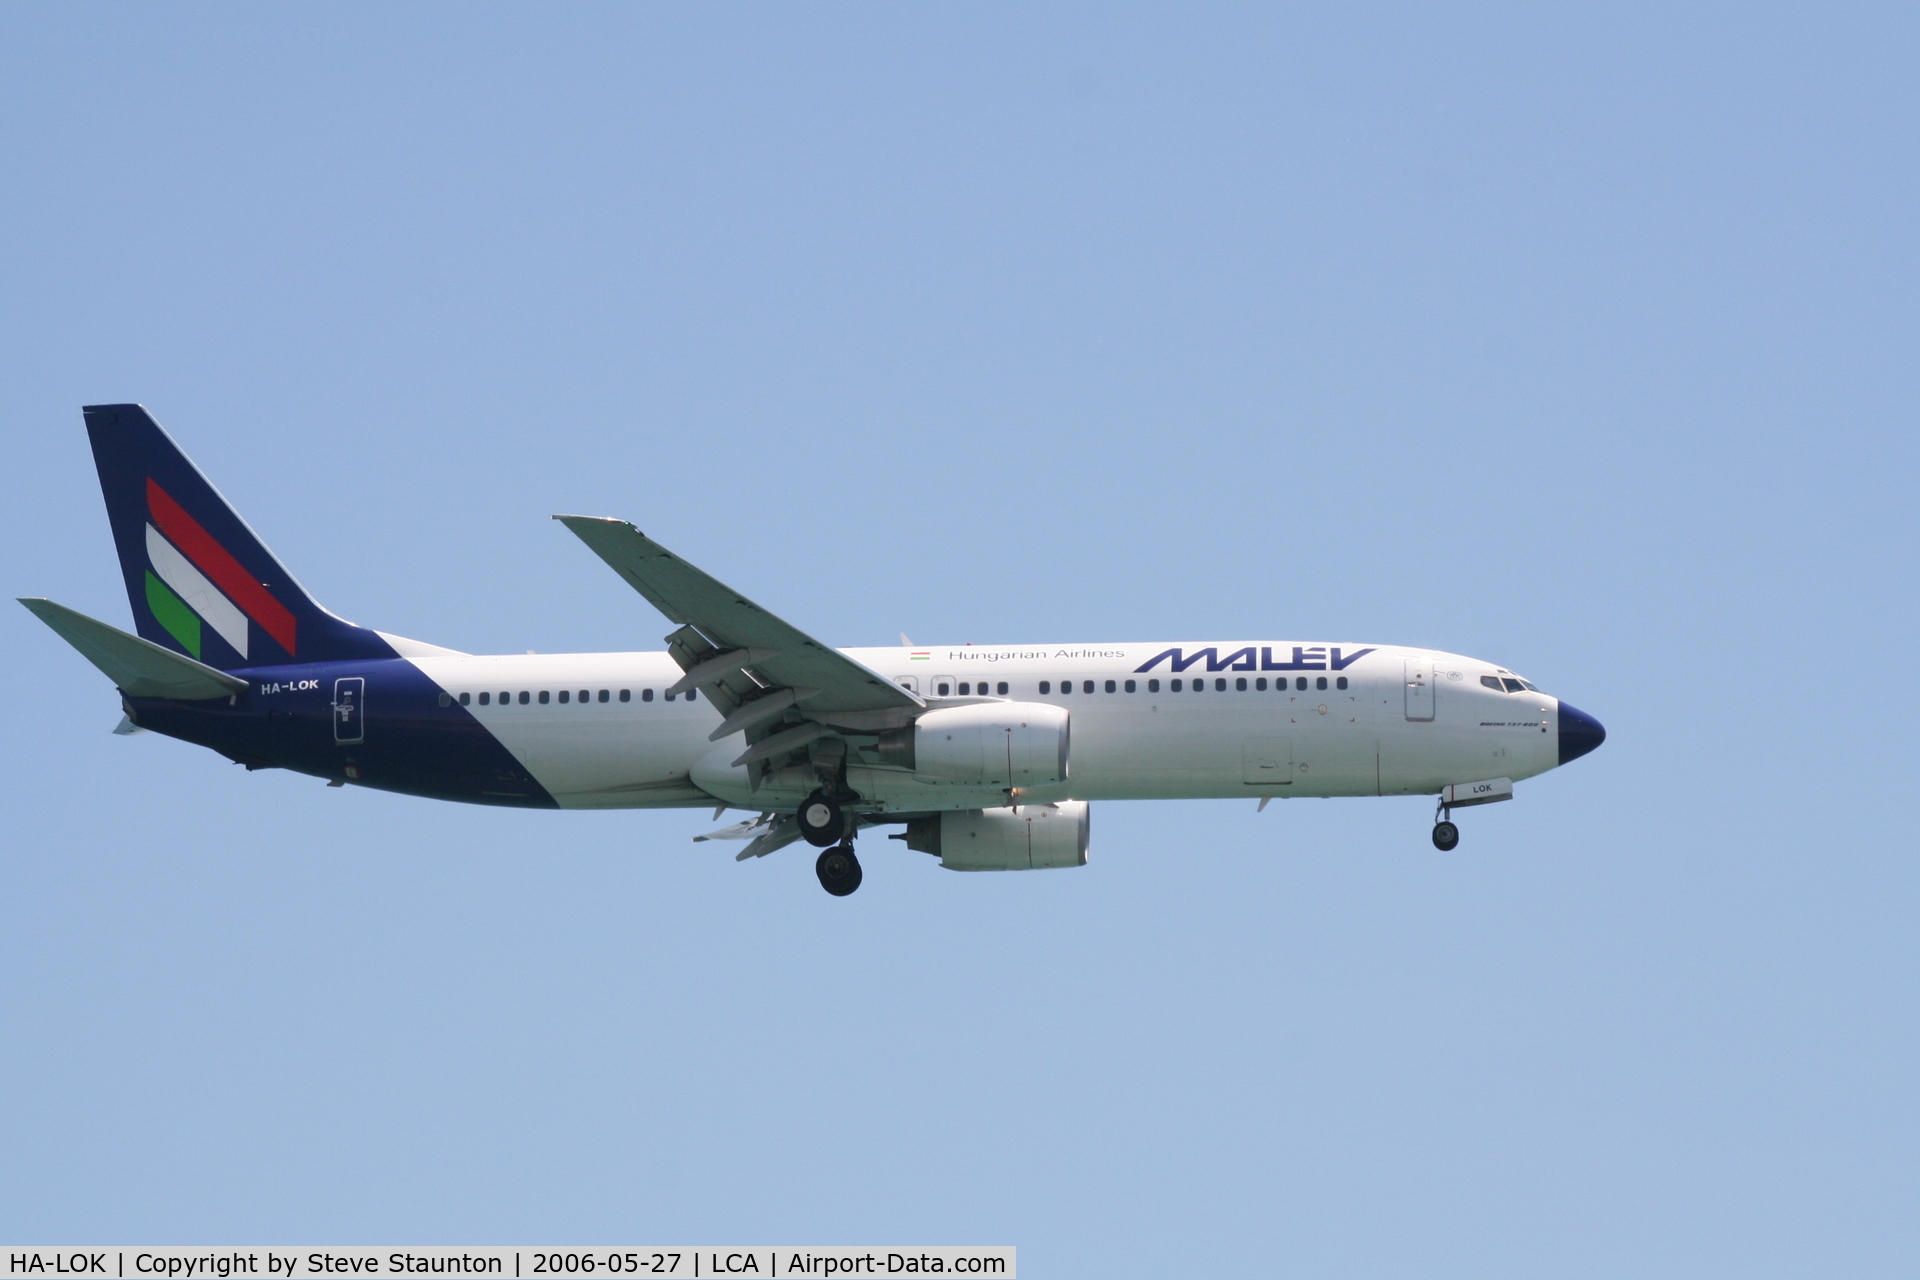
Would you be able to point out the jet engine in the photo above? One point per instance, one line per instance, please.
(996, 744)
(1033, 837)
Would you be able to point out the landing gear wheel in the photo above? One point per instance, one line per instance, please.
(821, 822)
(839, 870)
(1445, 836)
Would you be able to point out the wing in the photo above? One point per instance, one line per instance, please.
(751, 664)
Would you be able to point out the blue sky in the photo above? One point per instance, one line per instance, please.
(1582, 341)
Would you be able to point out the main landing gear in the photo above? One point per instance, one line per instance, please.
(824, 825)
(839, 870)
(822, 822)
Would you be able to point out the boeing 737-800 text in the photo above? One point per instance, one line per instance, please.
(988, 755)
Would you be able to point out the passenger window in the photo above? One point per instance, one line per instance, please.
(583, 695)
(1174, 686)
(1130, 686)
(466, 699)
(1111, 687)
(1153, 686)
(943, 688)
(690, 694)
(1220, 685)
(1320, 682)
(1003, 688)
(646, 695)
(1300, 682)
(1260, 685)
(1341, 683)
(626, 695)
(1086, 686)
(1513, 686)
(524, 699)
(1046, 686)
(1240, 685)
(1066, 686)
(1199, 686)
(604, 695)
(505, 697)
(446, 699)
(544, 696)
(566, 695)
(485, 698)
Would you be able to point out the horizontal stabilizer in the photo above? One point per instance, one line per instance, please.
(783, 833)
(141, 668)
(740, 830)
(768, 832)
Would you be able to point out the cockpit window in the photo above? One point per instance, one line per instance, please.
(1493, 683)
(1514, 686)
(1530, 686)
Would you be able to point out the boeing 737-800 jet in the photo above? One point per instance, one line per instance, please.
(988, 755)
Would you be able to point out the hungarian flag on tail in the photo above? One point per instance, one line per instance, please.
(199, 579)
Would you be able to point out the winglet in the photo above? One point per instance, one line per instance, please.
(139, 667)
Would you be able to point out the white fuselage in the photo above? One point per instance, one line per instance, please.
(1409, 721)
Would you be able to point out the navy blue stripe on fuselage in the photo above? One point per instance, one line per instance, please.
(407, 741)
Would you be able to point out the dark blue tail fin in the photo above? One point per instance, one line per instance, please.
(200, 582)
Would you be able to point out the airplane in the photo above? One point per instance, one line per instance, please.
(987, 756)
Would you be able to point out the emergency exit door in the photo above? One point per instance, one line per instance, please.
(1419, 689)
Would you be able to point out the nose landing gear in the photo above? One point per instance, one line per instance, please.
(1446, 836)
(839, 870)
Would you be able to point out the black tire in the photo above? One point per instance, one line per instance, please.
(821, 822)
(1446, 836)
(839, 870)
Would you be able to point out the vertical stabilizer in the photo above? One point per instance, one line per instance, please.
(199, 580)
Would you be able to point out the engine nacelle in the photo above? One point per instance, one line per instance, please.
(995, 744)
(1037, 836)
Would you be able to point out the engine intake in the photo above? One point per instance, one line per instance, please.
(1000, 744)
(1036, 837)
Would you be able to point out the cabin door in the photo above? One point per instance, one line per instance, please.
(1419, 674)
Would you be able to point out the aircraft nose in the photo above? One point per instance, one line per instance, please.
(1579, 732)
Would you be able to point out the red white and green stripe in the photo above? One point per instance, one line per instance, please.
(193, 580)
